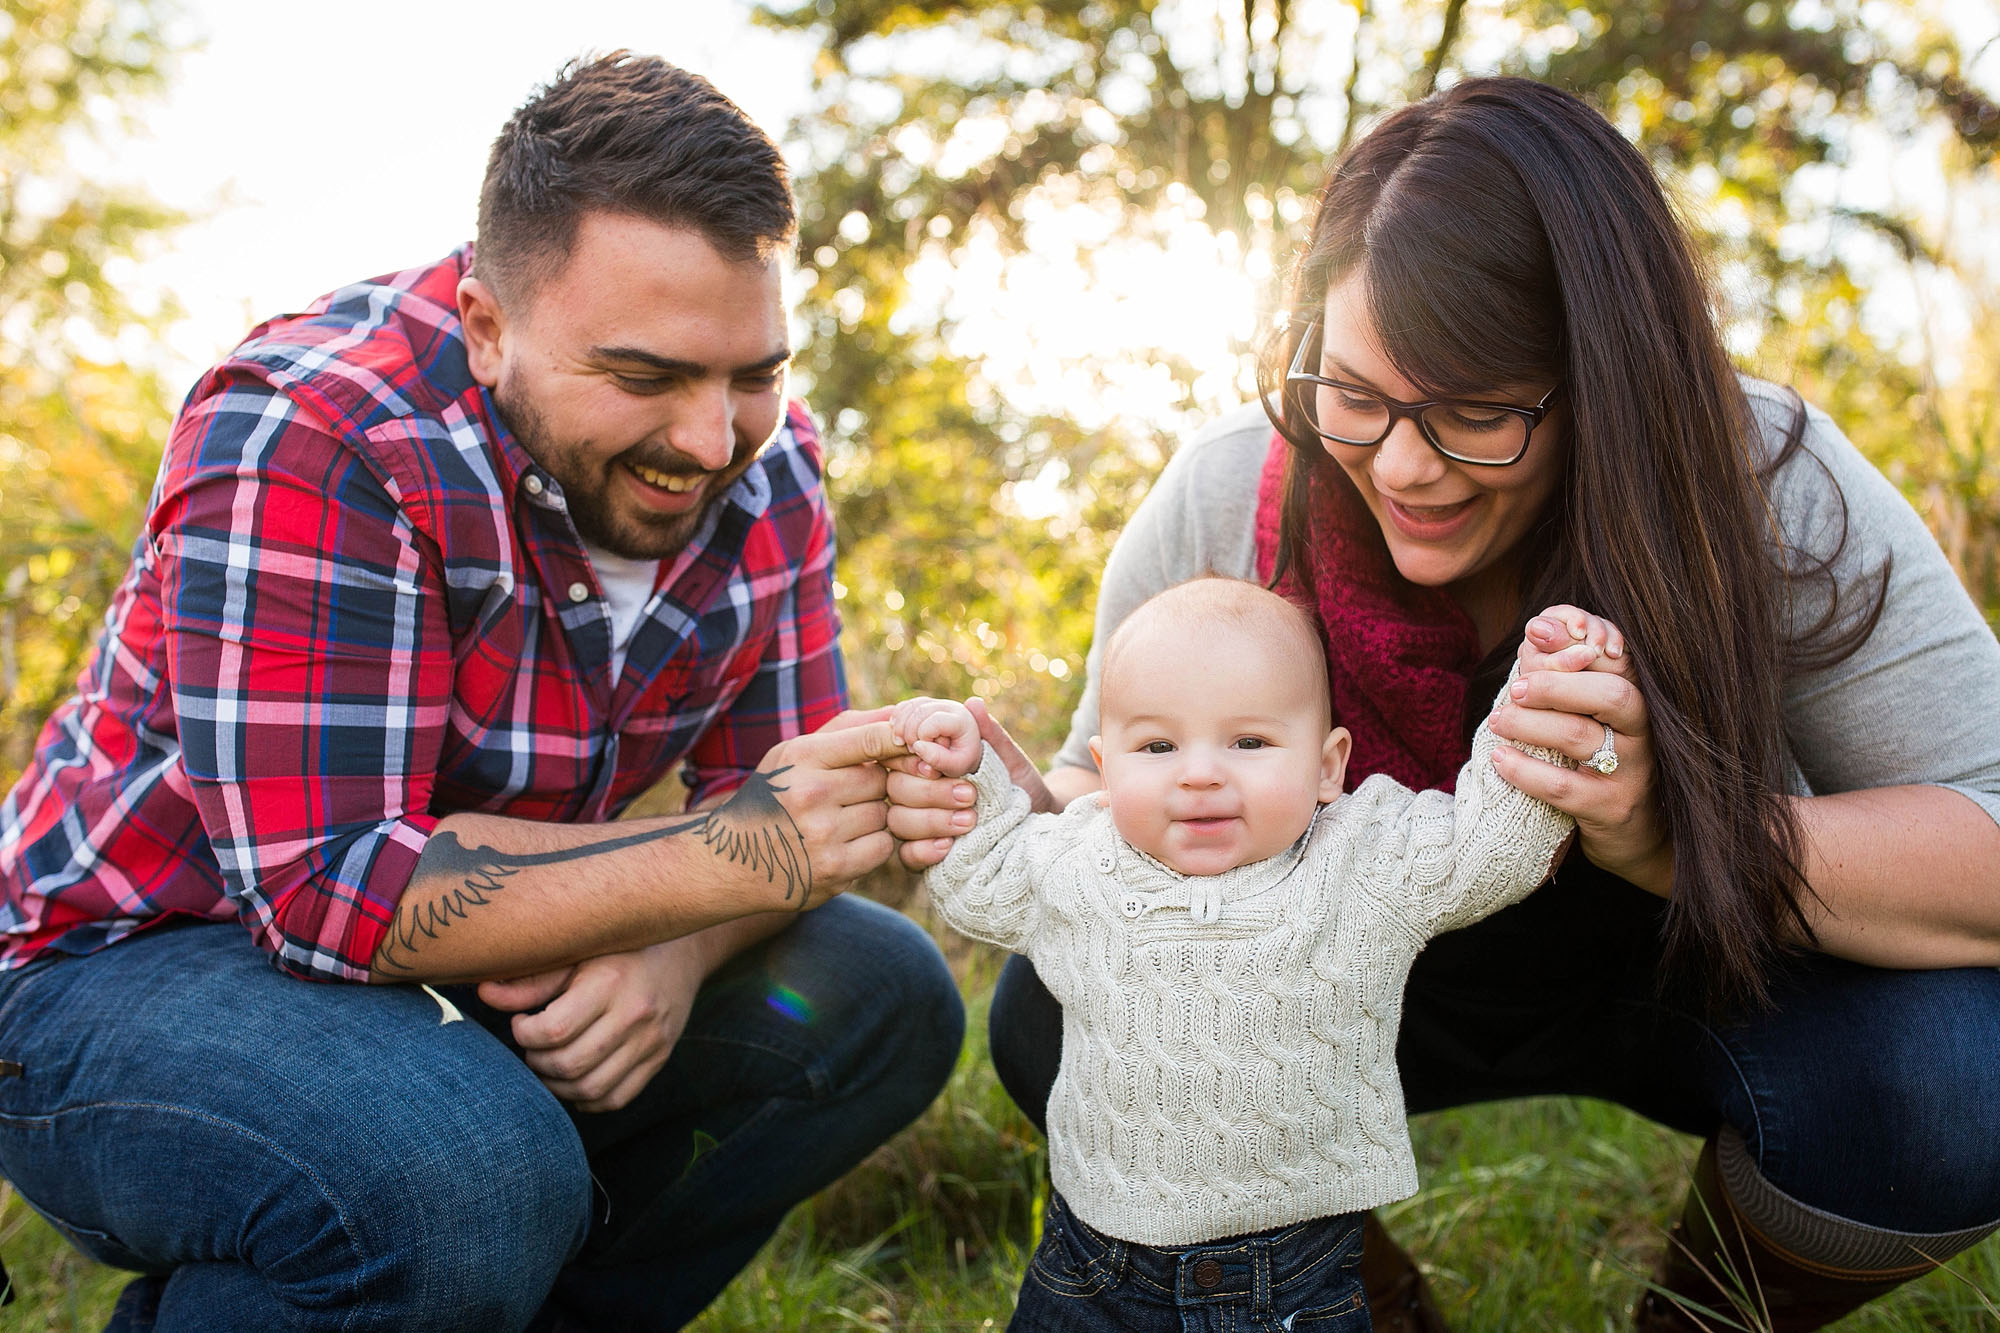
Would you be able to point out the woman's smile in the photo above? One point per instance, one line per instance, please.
(1432, 522)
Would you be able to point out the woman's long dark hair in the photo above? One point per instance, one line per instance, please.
(1507, 234)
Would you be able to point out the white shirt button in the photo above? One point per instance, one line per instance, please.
(533, 484)
(579, 592)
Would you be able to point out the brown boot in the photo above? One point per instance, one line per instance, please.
(1720, 1273)
(1399, 1299)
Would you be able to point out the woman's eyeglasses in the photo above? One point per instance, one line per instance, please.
(1463, 430)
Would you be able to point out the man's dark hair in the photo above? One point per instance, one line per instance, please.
(628, 134)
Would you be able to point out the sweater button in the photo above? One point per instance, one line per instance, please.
(1207, 1274)
(1132, 904)
(1106, 862)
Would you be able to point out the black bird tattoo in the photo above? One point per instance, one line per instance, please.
(751, 828)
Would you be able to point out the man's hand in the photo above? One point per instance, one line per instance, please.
(607, 1024)
(832, 788)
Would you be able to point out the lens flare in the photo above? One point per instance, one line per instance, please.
(791, 1004)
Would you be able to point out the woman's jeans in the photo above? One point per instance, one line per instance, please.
(320, 1157)
(1298, 1279)
(1870, 1094)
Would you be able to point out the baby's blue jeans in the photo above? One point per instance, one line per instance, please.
(1304, 1278)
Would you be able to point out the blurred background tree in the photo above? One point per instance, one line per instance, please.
(950, 144)
(966, 170)
(82, 420)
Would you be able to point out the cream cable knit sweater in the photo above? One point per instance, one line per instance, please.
(1229, 1041)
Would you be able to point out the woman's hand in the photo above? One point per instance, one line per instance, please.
(1575, 681)
(928, 811)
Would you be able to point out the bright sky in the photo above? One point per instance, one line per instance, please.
(327, 143)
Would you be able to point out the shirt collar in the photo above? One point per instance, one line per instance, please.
(1162, 885)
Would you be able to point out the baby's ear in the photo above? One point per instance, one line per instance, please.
(1333, 763)
(1097, 752)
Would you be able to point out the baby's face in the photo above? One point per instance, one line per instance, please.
(1213, 749)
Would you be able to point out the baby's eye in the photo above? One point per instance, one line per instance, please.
(1251, 742)
(1157, 747)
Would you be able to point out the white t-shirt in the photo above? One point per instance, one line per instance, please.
(628, 587)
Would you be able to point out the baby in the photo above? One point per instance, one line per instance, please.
(1229, 936)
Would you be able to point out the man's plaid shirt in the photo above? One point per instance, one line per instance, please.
(359, 606)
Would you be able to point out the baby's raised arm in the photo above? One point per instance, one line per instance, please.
(941, 732)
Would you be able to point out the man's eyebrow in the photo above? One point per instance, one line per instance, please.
(668, 365)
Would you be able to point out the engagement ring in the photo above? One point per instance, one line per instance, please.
(1606, 759)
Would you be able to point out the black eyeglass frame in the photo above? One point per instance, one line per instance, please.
(1398, 410)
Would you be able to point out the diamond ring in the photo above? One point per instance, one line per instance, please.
(1606, 759)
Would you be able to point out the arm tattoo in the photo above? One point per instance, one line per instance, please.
(751, 828)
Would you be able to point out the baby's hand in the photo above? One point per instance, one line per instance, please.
(1565, 638)
(941, 732)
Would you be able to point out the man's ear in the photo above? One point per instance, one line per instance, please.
(1333, 763)
(485, 325)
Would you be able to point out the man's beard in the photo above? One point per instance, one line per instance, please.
(586, 482)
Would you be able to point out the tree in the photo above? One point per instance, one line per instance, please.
(81, 426)
(939, 133)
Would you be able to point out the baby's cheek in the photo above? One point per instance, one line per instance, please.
(1137, 818)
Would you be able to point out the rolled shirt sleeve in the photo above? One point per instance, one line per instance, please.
(311, 667)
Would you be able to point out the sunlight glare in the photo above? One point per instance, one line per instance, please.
(1098, 322)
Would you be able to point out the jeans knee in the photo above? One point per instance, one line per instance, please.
(923, 1017)
(1885, 1109)
(892, 1001)
(471, 1223)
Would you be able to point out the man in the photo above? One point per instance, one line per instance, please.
(439, 575)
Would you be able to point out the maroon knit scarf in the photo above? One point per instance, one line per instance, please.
(1399, 657)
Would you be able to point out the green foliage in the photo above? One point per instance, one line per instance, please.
(938, 133)
(80, 426)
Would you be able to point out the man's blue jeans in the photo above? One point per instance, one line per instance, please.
(320, 1157)
(1870, 1094)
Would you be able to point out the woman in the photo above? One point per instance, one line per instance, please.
(1502, 387)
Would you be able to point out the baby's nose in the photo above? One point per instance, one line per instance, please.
(1200, 771)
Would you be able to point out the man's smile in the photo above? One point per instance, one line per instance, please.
(678, 482)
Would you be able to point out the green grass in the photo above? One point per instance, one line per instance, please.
(1542, 1214)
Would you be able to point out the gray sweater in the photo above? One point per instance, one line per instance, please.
(1918, 702)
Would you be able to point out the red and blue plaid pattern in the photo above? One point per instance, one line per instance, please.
(349, 617)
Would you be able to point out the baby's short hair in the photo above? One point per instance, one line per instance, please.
(1251, 608)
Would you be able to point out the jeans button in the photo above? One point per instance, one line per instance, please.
(1207, 1274)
